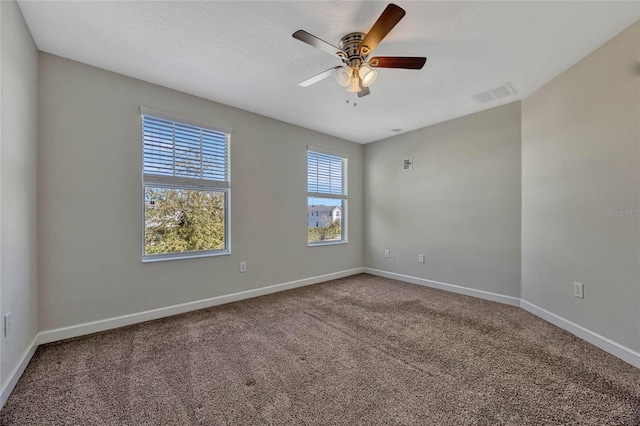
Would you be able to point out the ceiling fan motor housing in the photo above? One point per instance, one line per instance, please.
(350, 44)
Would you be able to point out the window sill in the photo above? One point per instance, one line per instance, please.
(327, 243)
(190, 255)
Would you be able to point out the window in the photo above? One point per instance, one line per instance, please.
(326, 192)
(186, 187)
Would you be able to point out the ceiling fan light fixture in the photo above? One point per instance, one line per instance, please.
(367, 75)
(343, 76)
(354, 85)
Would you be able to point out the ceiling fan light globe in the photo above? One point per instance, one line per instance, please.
(343, 76)
(354, 86)
(367, 75)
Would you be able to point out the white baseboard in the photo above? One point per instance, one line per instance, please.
(111, 323)
(607, 345)
(481, 294)
(14, 376)
(602, 342)
(124, 320)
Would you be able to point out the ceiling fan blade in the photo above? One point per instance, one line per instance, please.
(407, 62)
(364, 92)
(389, 18)
(314, 41)
(316, 78)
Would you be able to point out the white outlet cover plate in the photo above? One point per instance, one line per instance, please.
(578, 290)
(7, 324)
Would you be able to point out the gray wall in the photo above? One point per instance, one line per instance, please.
(18, 154)
(580, 158)
(460, 205)
(90, 200)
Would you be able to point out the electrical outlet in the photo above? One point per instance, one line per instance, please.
(243, 266)
(6, 325)
(421, 258)
(578, 290)
(387, 253)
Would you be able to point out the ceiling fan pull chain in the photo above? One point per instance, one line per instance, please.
(347, 101)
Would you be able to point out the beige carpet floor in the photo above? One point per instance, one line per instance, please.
(361, 350)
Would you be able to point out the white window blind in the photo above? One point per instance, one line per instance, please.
(326, 175)
(184, 154)
(186, 187)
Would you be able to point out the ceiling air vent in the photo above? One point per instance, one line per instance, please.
(495, 94)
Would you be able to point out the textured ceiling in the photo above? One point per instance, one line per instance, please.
(242, 54)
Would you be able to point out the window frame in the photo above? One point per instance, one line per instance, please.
(177, 182)
(343, 196)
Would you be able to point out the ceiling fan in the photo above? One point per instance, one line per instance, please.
(356, 73)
